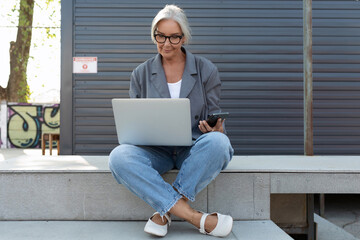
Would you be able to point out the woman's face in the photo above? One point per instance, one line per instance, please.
(169, 27)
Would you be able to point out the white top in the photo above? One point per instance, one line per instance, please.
(174, 89)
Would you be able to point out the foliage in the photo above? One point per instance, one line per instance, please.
(18, 89)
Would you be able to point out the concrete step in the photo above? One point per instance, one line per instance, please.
(329, 231)
(82, 188)
(115, 230)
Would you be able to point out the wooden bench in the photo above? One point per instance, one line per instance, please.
(50, 137)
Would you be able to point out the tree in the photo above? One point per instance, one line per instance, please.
(18, 89)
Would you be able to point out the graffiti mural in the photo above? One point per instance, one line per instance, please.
(27, 123)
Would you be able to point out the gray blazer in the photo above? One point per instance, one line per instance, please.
(200, 83)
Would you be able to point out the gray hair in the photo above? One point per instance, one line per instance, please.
(175, 13)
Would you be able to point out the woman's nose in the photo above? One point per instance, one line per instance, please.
(167, 41)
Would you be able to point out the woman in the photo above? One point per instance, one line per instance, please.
(175, 72)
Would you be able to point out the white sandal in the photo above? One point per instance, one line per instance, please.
(157, 229)
(223, 226)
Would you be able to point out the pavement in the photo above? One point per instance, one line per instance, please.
(131, 230)
(343, 211)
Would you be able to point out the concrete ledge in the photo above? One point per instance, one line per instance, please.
(295, 164)
(82, 188)
(68, 230)
(315, 183)
(245, 196)
(73, 196)
(34, 187)
(13, 160)
(97, 196)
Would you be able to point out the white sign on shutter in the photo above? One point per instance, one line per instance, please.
(84, 64)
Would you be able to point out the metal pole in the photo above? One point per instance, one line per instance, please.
(308, 104)
(310, 217)
(322, 205)
(308, 80)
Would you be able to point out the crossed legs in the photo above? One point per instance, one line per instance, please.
(139, 169)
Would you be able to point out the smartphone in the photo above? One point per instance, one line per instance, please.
(212, 119)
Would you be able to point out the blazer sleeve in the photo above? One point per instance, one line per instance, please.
(135, 90)
(212, 91)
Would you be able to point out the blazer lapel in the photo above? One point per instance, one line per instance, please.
(188, 80)
(158, 78)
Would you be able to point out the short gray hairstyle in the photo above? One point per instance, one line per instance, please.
(175, 13)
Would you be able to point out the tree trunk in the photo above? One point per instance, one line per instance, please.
(18, 89)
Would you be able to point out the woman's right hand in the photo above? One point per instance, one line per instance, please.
(205, 128)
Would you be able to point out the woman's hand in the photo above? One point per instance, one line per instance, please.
(205, 128)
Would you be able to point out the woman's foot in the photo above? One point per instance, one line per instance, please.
(210, 223)
(216, 224)
(157, 225)
(156, 218)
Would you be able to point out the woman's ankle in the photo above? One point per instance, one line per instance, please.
(195, 219)
(159, 220)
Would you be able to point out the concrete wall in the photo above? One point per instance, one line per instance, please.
(95, 195)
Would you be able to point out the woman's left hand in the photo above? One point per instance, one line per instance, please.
(205, 128)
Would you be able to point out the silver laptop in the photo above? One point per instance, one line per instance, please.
(153, 121)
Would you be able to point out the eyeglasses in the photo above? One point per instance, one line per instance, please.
(174, 39)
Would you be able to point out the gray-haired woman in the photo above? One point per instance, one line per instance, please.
(173, 73)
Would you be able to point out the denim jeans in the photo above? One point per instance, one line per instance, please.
(139, 169)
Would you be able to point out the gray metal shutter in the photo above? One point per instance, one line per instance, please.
(336, 49)
(257, 46)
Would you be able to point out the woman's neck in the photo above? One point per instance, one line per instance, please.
(175, 60)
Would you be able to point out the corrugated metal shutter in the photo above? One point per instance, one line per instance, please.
(336, 49)
(257, 46)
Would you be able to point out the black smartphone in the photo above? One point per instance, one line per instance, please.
(212, 119)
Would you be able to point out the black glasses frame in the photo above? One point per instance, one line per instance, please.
(168, 37)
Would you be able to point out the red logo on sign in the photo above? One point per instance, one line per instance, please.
(85, 66)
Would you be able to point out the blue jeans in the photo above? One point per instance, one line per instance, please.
(139, 169)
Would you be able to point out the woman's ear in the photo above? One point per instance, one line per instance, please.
(183, 40)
